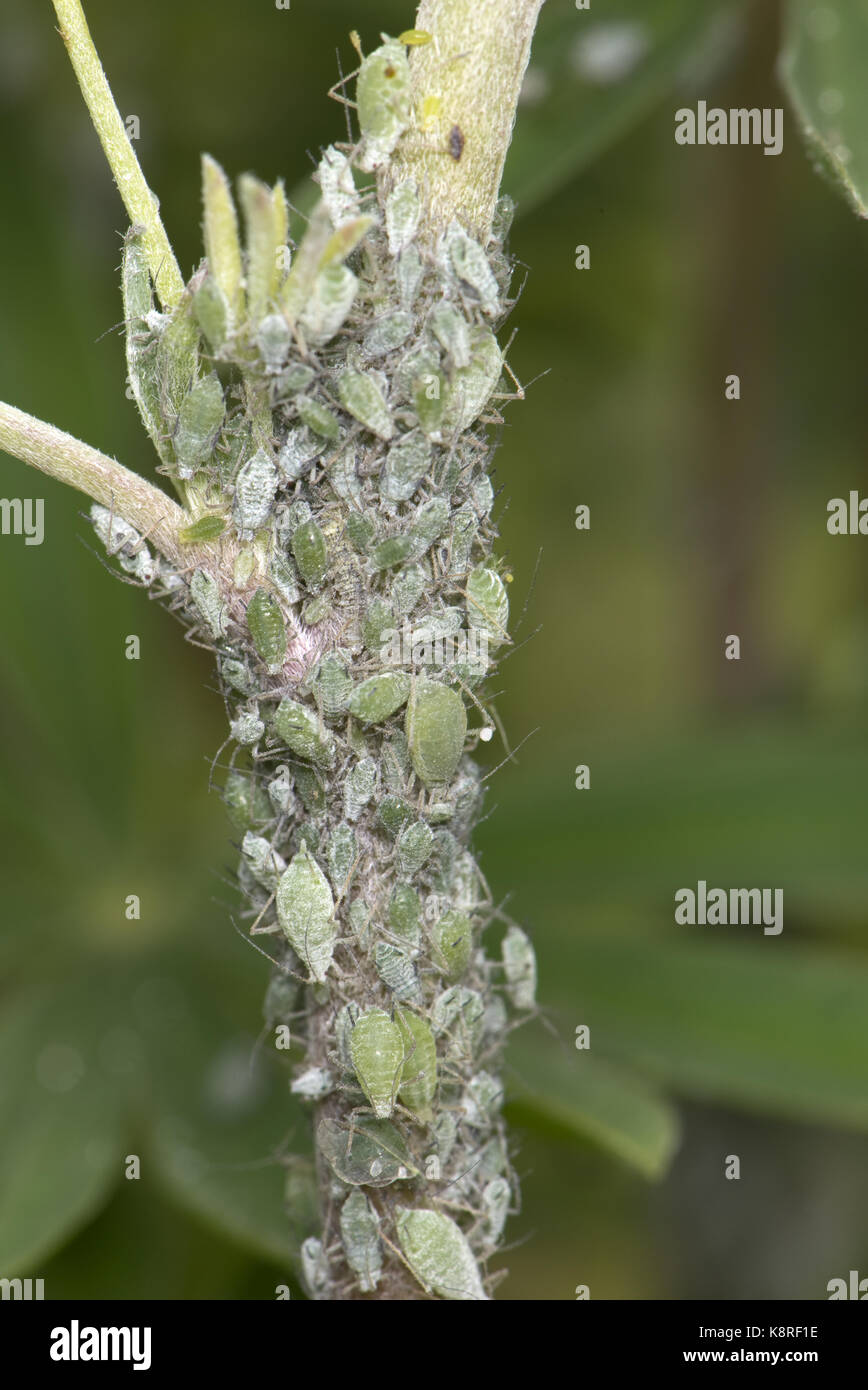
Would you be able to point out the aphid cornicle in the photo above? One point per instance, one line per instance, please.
(377, 1050)
(438, 1253)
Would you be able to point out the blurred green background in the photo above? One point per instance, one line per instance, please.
(122, 1037)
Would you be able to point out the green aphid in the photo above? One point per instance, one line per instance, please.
(397, 971)
(359, 787)
(282, 998)
(316, 609)
(298, 451)
(311, 553)
(300, 730)
(332, 685)
(452, 941)
(361, 397)
(413, 847)
(519, 966)
(283, 576)
(431, 521)
(392, 551)
(247, 729)
(436, 726)
(334, 174)
(496, 1197)
(305, 911)
(359, 915)
(407, 462)
(311, 788)
(237, 674)
(343, 476)
(328, 307)
(403, 210)
(177, 364)
(472, 386)
(361, 529)
(360, 1237)
(487, 604)
(341, 857)
(419, 1074)
(296, 377)
(470, 264)
(444, 1132)
(205, 528)
(429, 395)
(306, 837)
(273, 340)
(379, 696)
(371, 1153)
(483, 496)
(267, 629)
(451, 330)
(246, 801)
(439, 1255)
(255, 488)
(143, 361)
(379, 624)
(408, 586)
(318, 417)
(377, 1051)
(458, 1012)
(200, 420)
(388, 333)
(404, 914)
(464, 529)
(208, 598)
(211, 310)
(262, 859)
(384, 102)
(394, 813)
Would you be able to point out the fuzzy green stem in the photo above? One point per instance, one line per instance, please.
(70, 461)
(139, 201)
(473, 71)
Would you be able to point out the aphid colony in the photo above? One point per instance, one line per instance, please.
(322, 412)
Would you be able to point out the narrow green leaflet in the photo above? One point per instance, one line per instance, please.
(823, 64)
(573, 1092)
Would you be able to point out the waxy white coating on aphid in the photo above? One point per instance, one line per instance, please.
(299, 450)
(413, 847)
(255, 487)
(384, 104)
(314, 1083)
(359, 787)
(360, 1235)
(361, 397)
(397, 971)
(403, 210)
(209, 601)
(124, 543)
(451, 331)
(438, 1253)
(458, 1011)
(407, 462)
(436, 727)
(408, 275)
(472, 386)
(314, 1267)
(387, 333)
(341, 855)
(335, 177)
(482, 1097)
(247, 729)
(305, 910)
(377, 1051)
(487, 603)
(263, 860)
(470, 264)
(496, 1197)
(330, 302)
(280, 792)
(519, 966)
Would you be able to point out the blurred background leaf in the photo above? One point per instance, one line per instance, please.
(823, 63)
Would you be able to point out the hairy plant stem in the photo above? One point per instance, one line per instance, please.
(329, 427)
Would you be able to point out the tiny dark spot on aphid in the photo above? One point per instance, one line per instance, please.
(456, 142)
(390, 71)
